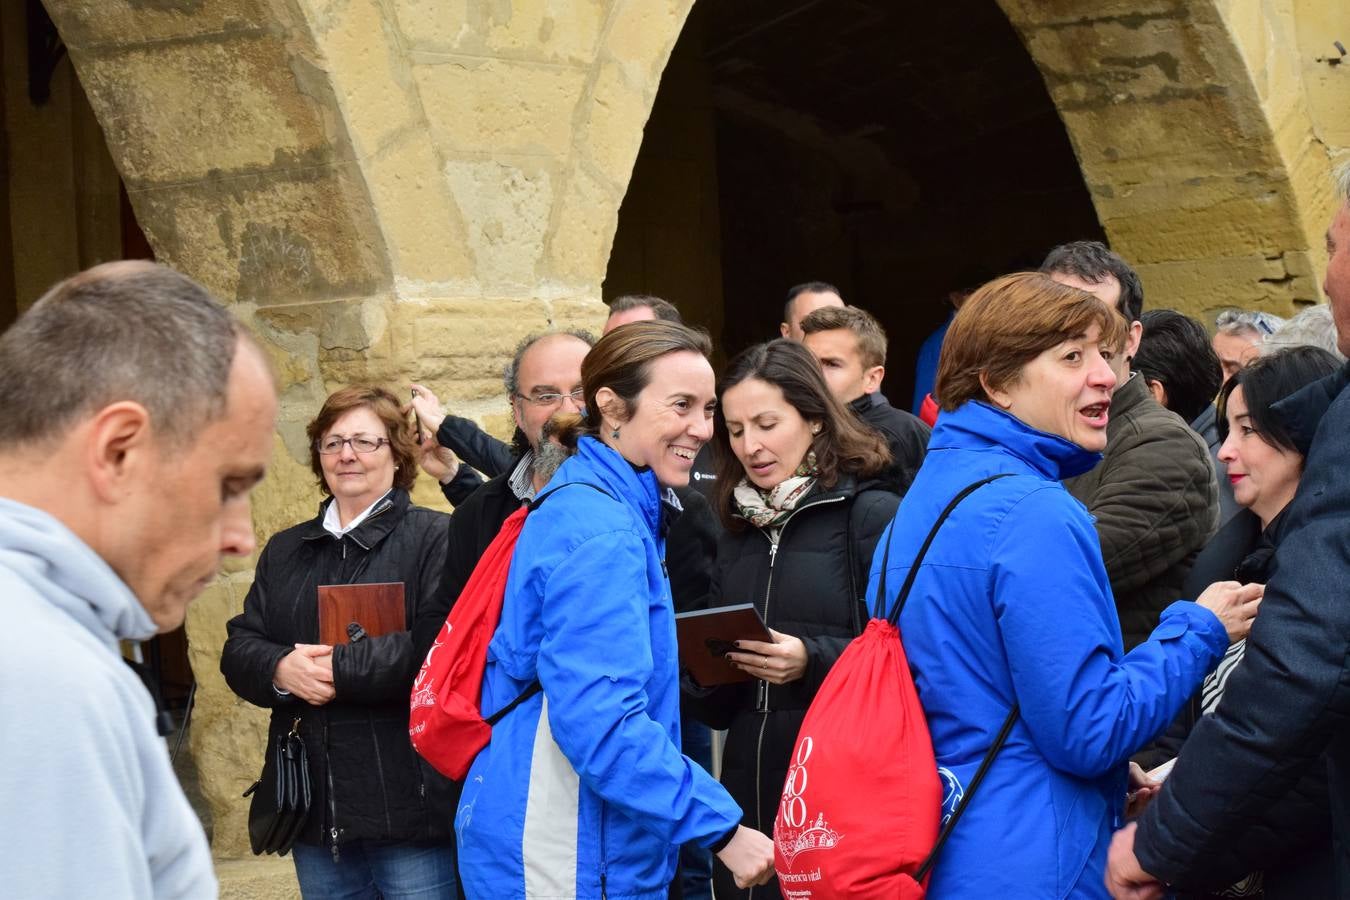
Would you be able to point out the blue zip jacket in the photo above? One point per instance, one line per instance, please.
(583, 789)
(1012, 605)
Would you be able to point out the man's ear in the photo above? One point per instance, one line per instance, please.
(1155, 387)
(120, 439)
(1133, 338)
(783, 329)
(872, 379)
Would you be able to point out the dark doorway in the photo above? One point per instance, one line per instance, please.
(899, 151)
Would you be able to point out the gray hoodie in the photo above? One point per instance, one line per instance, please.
(89, 805)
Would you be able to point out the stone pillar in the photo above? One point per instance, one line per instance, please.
(385, 190)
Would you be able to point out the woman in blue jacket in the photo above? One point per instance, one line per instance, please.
(583, 791)
(1012, 605)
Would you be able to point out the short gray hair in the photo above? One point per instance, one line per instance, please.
(1313, 327)
(511, 372)
(1247, 323)
(1342, 176)
(120, 331)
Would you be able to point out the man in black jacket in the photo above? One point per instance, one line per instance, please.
(1289, 700)
(850, 346)
(543, 378)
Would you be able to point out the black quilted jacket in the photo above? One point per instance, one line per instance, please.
(367, 781)
(1155, 502)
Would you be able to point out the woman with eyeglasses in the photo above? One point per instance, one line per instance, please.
(380, 821)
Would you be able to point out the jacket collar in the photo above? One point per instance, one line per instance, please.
(382, 519)
(1126, 398)
(861, 405)
(597, 463)
(978, 426)
(1302, 410)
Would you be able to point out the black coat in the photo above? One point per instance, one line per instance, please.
(358, 743)
(1289, 701)
(906, 435)
(811, 588)
(1294, 833)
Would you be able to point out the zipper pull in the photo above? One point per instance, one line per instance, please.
(333, 833)
(664, 570)
(773, 552)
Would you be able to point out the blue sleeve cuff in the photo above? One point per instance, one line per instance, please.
(1196, 627)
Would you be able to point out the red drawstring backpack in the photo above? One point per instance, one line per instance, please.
(445, 722)
(862, 802)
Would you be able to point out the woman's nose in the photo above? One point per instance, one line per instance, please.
(1227, 451)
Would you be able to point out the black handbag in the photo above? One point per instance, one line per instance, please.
(281, 795)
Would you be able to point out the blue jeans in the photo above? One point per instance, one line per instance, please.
(370, 870)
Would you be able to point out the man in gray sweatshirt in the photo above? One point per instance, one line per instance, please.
(135, 416)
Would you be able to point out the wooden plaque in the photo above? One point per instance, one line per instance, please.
(707, 634)
(378, 608)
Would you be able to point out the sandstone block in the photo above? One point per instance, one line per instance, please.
(617, 112)
(229, 105)
(532, 29)
(123, 23)
(427, 235)
(510, 208)
(495, 107)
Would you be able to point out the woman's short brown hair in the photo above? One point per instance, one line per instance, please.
(402, 442)
(844, 444)
(1009, 322)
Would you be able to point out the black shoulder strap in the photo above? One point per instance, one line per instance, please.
(880, 602)
(539, 500)
(535, 687)
(894, 618)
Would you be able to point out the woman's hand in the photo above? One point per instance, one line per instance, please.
(307, 672)
(1235, 605)
(749, 856)
(427, 407)
(778, 663)
(1142, 791)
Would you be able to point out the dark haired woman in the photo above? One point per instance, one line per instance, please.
(380, 818)
(1265, 463)
(583, 791)
(798, 490)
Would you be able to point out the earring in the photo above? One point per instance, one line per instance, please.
(815, 429)
(615, 433)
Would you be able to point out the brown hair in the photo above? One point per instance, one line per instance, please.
(402, 442)
(1009, 322)
(870, 335)
(843, 444)
(621, 361)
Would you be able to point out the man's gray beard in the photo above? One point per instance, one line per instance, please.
(548, 456)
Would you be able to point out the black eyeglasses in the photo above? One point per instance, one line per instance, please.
(550, 398)
(361, 443)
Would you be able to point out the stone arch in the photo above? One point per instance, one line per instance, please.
(1190, 124)
(385, 189)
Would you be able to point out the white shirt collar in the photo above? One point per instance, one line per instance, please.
(521, 479)
(331, 521)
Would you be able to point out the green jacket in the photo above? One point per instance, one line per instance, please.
(1155, 501)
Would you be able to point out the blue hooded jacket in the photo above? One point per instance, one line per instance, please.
(583, 789)
(1012, 605)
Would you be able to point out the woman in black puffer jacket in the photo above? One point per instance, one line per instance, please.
(797, 489)
(380, 818)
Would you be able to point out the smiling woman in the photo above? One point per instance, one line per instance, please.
(583, 791)
(380, 815)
